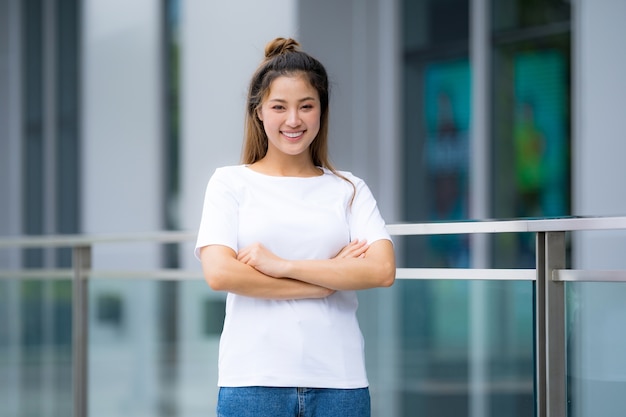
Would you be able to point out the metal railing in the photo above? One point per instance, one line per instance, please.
(549, 276)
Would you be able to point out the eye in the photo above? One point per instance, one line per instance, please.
(308, 106)
(278, 107)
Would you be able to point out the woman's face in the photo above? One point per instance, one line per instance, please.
(291, 115)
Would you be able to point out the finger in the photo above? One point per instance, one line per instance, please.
(359, 252)
(245, 256)
(356, 246)
(358, 243)
(355, 251)
(350, 248)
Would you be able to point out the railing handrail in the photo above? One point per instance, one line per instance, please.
(42, 241)
(557, 224)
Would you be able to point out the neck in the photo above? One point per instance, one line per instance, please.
(287, 167)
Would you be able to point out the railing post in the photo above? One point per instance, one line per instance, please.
(81, 262)
(551, 360)
(540, 326)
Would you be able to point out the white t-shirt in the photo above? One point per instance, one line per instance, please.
(305, 343)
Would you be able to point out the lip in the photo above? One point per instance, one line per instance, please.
(286, 134)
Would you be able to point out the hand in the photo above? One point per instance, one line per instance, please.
(262, 259)
(354, 249)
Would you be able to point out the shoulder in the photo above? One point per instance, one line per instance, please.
(228, 174)
(356, 181)
(227, 178)
(229, 170)
(343, 175)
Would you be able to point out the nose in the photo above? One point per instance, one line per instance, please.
(293, 118)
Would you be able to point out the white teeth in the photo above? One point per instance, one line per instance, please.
(292, 134)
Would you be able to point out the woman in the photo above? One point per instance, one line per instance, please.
(290, 239)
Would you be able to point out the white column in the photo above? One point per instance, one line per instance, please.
(121, 188)
(599, 65)
(598, 170)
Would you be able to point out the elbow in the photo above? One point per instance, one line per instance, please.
(383, 263)
(387, 274)
(216, 278)
(215, 267)
(389, 280)
(215, 283)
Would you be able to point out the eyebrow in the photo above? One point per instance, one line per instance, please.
(280, 100)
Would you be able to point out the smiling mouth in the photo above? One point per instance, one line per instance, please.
(293, 135)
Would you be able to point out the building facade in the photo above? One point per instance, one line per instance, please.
(113, 115)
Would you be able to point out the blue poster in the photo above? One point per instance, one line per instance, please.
(446, 153)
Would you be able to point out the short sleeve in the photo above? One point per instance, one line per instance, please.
(219, 222)
(364, 217)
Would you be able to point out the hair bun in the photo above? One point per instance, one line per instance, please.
(281, 46)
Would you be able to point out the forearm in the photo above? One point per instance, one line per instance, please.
(225, 273)
(375, 269)
(340, 274)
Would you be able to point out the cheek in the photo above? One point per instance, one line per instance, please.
(316, 122)
(268, 128)
(267, 123)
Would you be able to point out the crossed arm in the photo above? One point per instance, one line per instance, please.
(257, 272)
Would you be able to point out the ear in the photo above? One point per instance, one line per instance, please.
(259, 114)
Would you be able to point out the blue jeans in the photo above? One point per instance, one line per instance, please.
(292, 402)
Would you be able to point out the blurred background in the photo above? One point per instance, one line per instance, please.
(114, 114)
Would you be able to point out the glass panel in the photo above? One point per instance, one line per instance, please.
(201, 320)
(596, 342)
(451, 334)
(134, 370)
(123, 343)
(35, 348)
